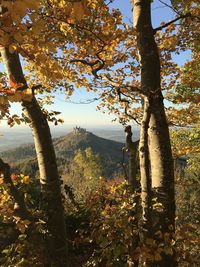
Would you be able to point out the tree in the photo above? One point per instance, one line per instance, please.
(155, 154)
(84, 173)
(156, 157)
(157, 141)
(100, 40)
(49, 177)
(16, 32)
(132, 150)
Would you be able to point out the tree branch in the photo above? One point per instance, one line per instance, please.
(170, 22)
(130, 116)
(169, 6)
(99, 63)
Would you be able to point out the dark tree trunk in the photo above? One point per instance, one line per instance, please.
(132, 151)
(161, 162)
(49, 177)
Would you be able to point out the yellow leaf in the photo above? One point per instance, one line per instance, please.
(26, 179)
(161, 46)
(12, 48)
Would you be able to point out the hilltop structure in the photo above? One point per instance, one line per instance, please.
(79, 130)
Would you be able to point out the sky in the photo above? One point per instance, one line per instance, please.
(86, 115)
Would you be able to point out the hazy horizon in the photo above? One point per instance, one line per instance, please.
(15, 137)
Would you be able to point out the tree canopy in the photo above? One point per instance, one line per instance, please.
(65, 45)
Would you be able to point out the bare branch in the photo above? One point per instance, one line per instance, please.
(131, 116)
(85, 102)
(85, 62)
(169, 6)
(171, 22)
(97, 62)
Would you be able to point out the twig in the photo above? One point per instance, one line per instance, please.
(172, 21)
(130, 116)
(169, 6)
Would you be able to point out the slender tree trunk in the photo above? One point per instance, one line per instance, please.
(49, 177)
(161, 162)
(132, 149)
(50, 183)
(145, 172)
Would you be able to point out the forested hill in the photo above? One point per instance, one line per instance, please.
(110, 151)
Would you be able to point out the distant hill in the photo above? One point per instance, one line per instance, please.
(24, 157)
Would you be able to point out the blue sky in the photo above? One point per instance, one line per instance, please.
(85, 115)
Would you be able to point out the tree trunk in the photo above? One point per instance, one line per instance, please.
(145, 172)
(161, 162)
(49, 177)
(132, 149)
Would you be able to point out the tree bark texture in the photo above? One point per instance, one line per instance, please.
(49, 177)
(161, 161)
(132, 149)
(145, 178)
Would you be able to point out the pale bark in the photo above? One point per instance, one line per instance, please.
(50, 183)
(145, 172)
(161, 162)
(49, 177)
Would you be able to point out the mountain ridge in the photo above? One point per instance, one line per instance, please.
(65, 147)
